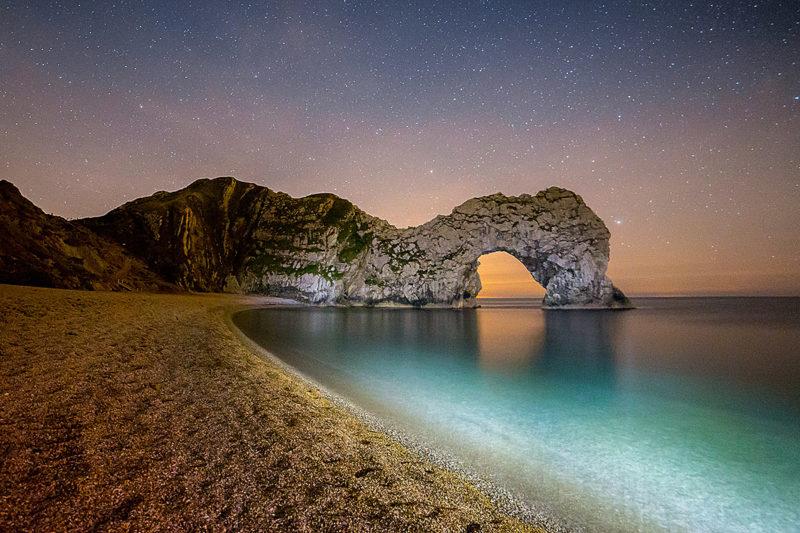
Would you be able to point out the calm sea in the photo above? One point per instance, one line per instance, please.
(680, 415)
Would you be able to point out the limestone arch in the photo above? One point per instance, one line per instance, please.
(556, 237)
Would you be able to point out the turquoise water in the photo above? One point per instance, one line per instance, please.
(681, 415)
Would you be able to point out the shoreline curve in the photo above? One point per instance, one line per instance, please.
(142, 411)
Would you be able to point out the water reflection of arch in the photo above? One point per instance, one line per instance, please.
(576, 345)
(509, 339)
(579, 345)
(437, 331)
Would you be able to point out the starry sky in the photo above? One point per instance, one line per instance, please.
(678, 122)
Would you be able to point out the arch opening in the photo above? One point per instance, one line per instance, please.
(504, 276)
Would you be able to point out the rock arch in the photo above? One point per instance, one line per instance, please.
(554, 234)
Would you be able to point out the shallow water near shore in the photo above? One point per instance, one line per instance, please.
(681, 415)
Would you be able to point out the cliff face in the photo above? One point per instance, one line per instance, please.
(225, 235)
(45, 250)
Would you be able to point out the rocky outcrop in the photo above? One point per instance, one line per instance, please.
(561, 242)
(44, 250)
(226, 235)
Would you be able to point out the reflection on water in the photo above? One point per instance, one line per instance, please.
(681, 415)
(509, 340)
(574, 345)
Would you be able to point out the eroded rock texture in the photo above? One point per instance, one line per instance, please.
(227, 235)
(561, 242)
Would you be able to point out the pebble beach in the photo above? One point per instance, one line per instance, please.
(133, 411)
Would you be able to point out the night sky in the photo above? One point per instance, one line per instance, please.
(678, 122)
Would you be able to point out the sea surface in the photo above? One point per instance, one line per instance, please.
(680, 415)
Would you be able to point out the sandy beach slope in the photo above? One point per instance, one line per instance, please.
(127, 411)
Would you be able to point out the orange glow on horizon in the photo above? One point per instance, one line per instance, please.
(503, 276)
